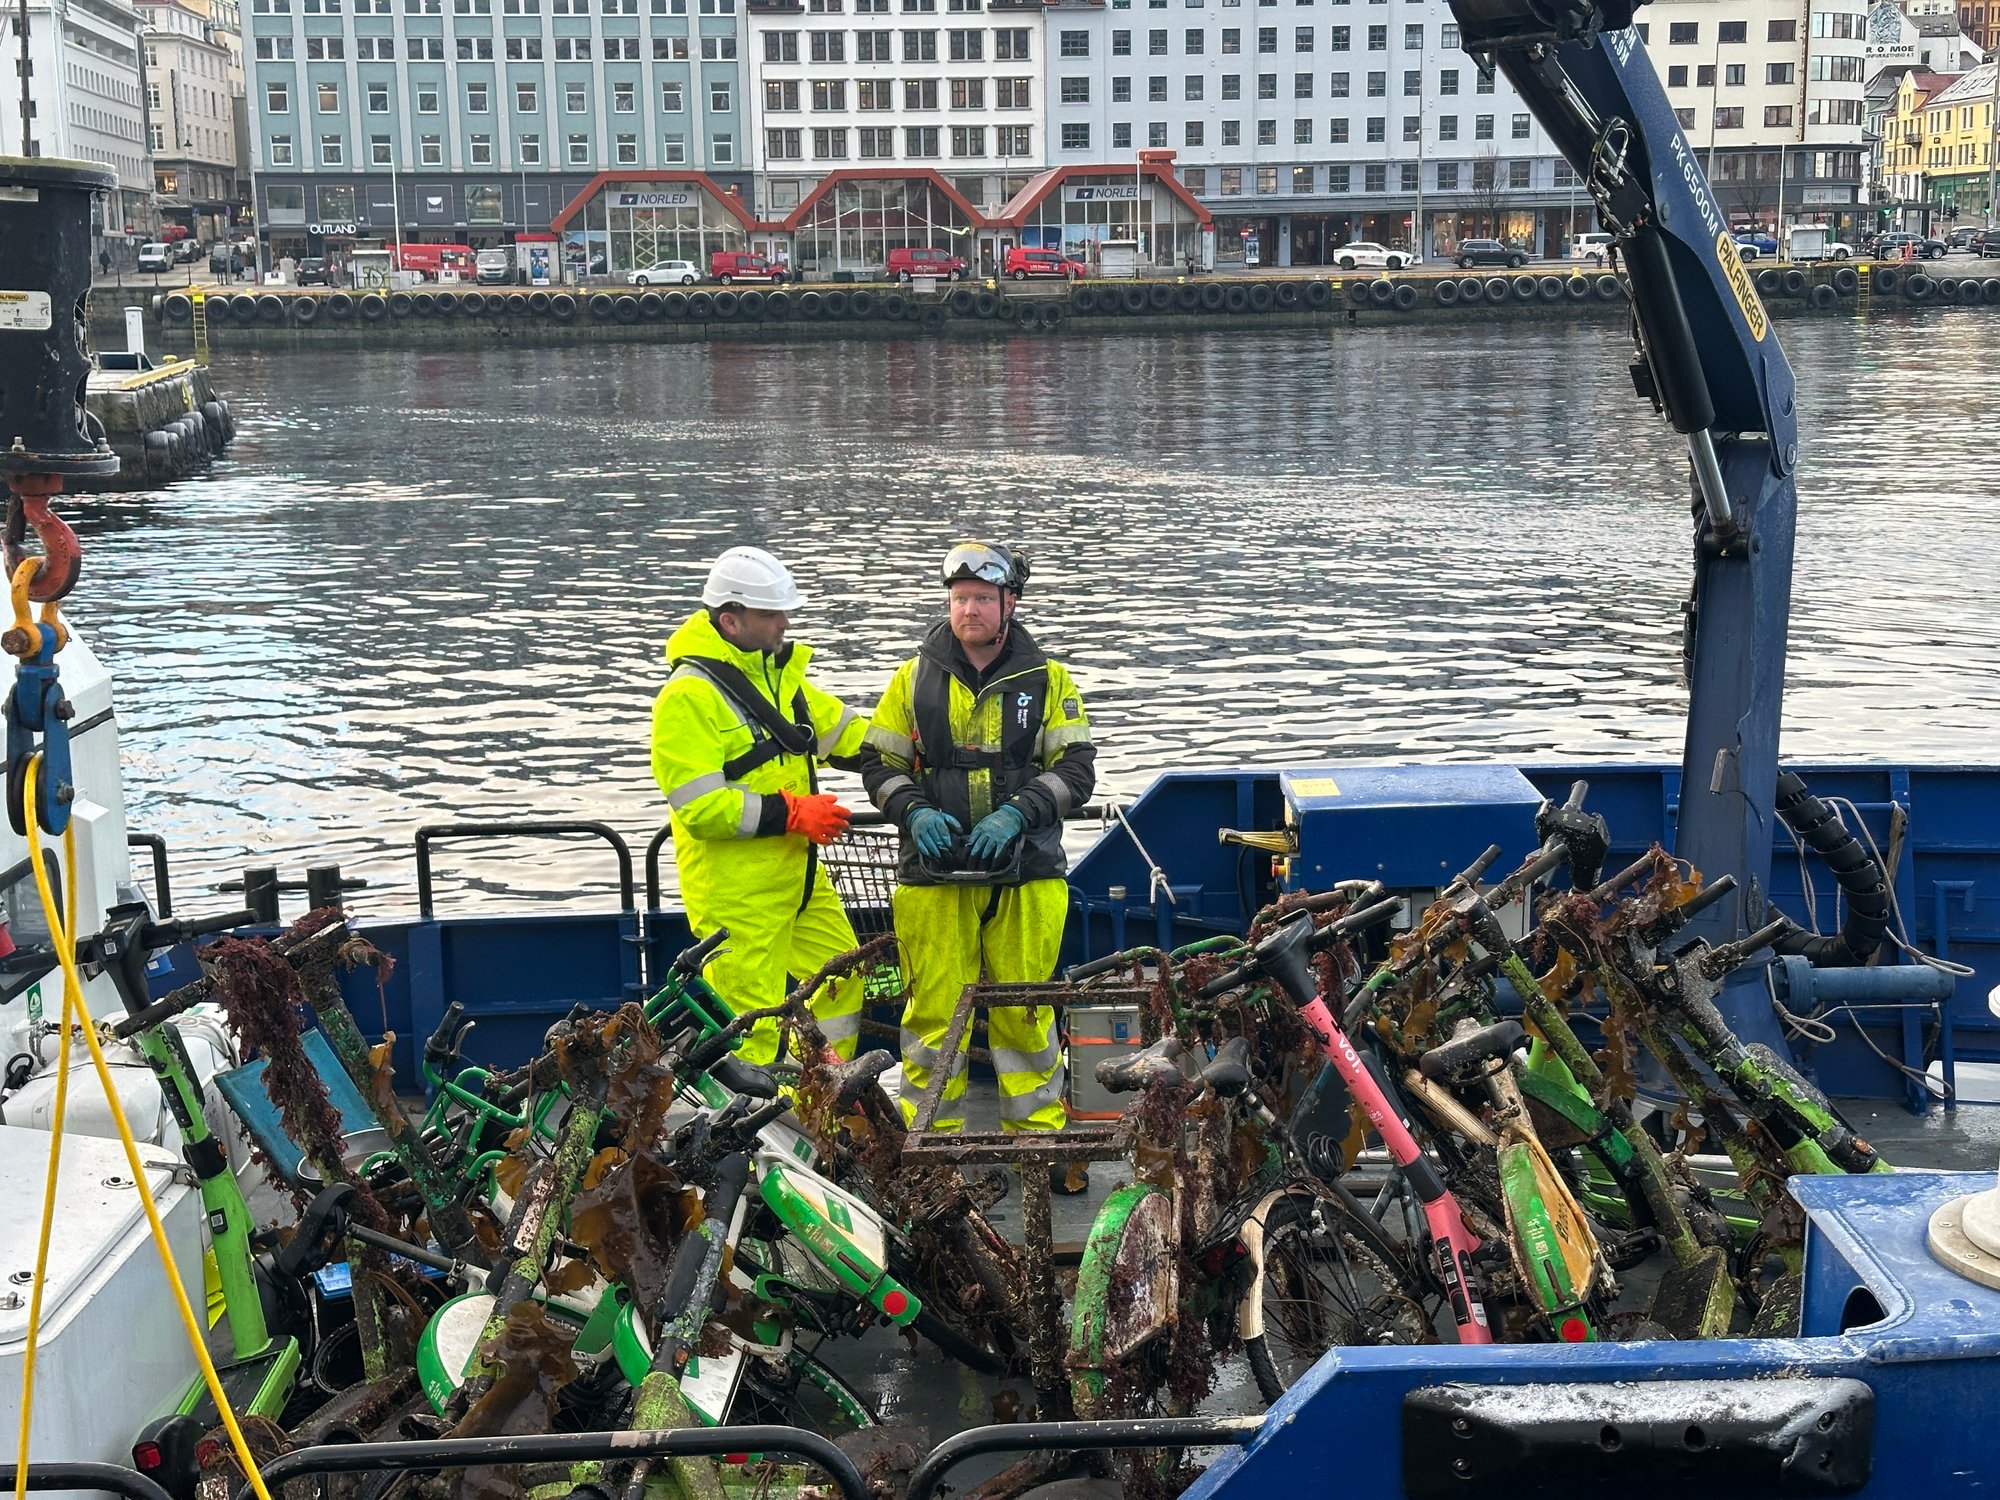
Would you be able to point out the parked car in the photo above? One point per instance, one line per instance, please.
(155, 256)
(1490, 253)
(1751, 243)
(1889, 246)
(740, 265)
(1594, 247)
(187, 251)
(1986, 242)
(1023, 262)
(1961, 238)
(1368, 253)
(666, 272)
(906, 261)
(312, 271)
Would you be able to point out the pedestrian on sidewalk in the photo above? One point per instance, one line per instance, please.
(104, 260)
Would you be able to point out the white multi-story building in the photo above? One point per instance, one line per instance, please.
(951, 86)
(88, 102)
(1770, 94)
(1301, 126)
(191, 118)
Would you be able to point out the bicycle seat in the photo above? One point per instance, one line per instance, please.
(853, 1078)
(1228, 1072)
(740, 1077)
(1158, 1063)
(1487, 1043)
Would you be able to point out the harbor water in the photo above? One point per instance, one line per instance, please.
(428, 588)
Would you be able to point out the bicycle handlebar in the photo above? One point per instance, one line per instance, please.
(156, 935)
(1333, 932)
(1110, 963)
(691, 961)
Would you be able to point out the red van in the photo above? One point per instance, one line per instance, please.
(740, 265)
(1025, 262)
(906, 261)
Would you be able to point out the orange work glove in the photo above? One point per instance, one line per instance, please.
(820, 817)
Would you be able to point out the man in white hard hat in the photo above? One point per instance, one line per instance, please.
(738, 736)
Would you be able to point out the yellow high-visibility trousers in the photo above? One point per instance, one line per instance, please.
(948, 941)
(773, 944)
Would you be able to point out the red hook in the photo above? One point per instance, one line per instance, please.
(62, 554)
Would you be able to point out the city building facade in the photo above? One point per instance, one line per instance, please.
(473, 121)
(1302, 126)
(86, 88)
(1770, 95)
(1957, 148)
(191, 119)
(1903, 185)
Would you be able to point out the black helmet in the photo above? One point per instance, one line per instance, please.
(1003, 567)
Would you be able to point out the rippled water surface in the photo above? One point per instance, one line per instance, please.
(427, 587)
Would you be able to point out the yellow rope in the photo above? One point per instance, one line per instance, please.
(73, 1006)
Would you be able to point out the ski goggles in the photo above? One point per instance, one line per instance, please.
(976, 560)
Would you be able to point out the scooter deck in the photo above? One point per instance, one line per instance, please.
(256, 1387)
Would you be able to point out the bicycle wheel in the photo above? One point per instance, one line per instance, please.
(1324, 1283)
(800, 1391)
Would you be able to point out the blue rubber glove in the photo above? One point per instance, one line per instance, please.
(931, 831)
(994, 832)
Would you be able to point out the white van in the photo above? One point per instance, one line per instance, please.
(495, 266)
(1595, 248)
(156, 256)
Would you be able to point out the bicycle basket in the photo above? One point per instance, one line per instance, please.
(862, 867)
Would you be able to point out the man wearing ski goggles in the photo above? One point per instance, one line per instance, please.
(978, 748)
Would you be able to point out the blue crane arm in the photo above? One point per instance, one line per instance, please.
(1709, 363)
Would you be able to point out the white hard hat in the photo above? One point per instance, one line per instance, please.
(751, 577)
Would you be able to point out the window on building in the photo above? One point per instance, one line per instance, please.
(1729, 117)
(1014, 140)
(1565, 174)
(1156, 89)
(1232, 86)
(1685, 118)
(920, 93)
(829, 95)
(920, 46)
(281, 149)
(1336, 132)
(1781, 31)
(1732, 75)
(1232, 40)
(1519, 131)
(1156, 44)
(1074, 44)
(1194, 42)
(1677, 76)
(722, 144)
(781, 95)
(718, 99)
(1482, 127)
(781, 46)
(1267, 85)
(1010, 44)
(1704, 75)
(1338, 176)
(1267, 39)
(327, 98)
(1413, 127)
(1232, 182)
(921, 141)
(1447, 127)
(1302, 180)
(1728, 32)
(378, 98)
(1482, 176)
(529, 150)
(1121, 44)
(330, 151)
(1267, 180)
(966, 46)
(576, 99)
(878, 142)
(529, 48)
(1375, 178)
(1232, 132)
(1776, 115)
(829, 145)
(1302, 85)
(525, 98)
(480, 153)
(1302, 39)
(1378, 39)
(1267, 132)
(875, 94)
(1195, 180)
(968, 93)
(673, 149)
(1339, 39)
(1413, 84)
(1121, 137)
(1683, 33)
(1519, 174)
(1378, 128)
(1448, 81)
(1193, 86)
(1778, 72)
(430, 151)
(1447, 178)
(1121, 91)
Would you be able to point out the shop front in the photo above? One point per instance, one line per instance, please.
(1073, 209)
(620, 223)
(849, 223)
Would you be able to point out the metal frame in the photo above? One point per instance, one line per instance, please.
(512, 828)
(548, 1447)
(88, 1476)
(1130, 1432)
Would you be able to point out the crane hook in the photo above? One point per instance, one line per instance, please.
(62, 555)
